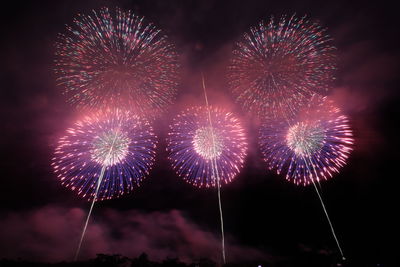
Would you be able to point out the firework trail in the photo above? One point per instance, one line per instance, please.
(104, 156)
(207, 146)
(215, 144)
(278, 65)
(116, 59)
(310, 147)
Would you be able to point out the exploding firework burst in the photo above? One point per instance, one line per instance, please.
(278, 65)
(116, 59)
(114, 145)
(193, 145)
(310, 147)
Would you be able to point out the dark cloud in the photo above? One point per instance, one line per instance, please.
(51, 234)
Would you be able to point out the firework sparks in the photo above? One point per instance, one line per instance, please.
(109, 152)
(194, 146)
(278, 65)
(311, 147)
(116, 59)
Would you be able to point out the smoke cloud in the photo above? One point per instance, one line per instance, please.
(51, 233)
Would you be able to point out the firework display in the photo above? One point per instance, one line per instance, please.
(116, 59)
(193, 144)
(121, 71)
(310, 147)
(114, 145)
(278, 65)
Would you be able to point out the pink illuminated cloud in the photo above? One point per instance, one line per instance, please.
(51, 234)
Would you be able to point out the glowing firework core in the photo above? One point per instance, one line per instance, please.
(304, 138)
(110, 148)
(207, 145)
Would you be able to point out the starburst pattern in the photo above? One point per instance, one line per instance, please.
(312, 146)
(193, 145)
(278, 65)
(121, 143)
(116, 59)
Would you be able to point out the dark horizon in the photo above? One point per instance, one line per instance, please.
(266, 217)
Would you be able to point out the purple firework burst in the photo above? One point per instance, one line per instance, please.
(279, 64)
(193, 145)
(116, 59)
(114, 145)
(312, 146)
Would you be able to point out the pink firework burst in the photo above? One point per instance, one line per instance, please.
(193, 145)
(116, 59)
(312, 146)
(109, 152)
(279, 64)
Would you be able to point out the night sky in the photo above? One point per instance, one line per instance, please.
(265, 216)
